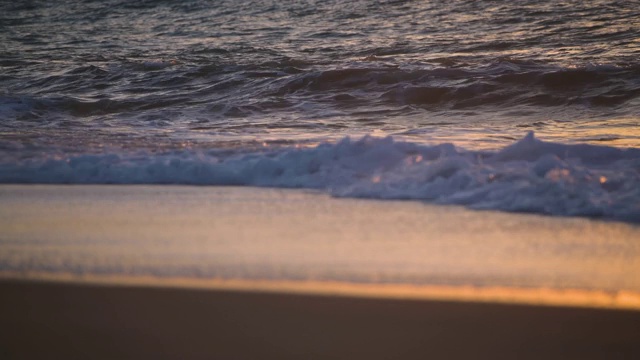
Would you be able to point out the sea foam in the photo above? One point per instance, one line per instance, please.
(529, 175)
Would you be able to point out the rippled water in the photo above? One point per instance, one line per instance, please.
(480, 74)
(155, 77)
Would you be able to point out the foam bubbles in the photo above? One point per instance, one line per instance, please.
(529, 175)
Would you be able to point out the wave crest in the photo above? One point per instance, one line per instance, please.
(529, 175)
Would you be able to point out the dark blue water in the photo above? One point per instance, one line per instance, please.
(107, 83)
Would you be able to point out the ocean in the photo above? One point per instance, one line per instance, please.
(519, 106)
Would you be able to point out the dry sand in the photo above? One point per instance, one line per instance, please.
(70, 321)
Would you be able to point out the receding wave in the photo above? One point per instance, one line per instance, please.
(529, 175)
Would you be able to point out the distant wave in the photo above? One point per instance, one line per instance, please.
(529, 175)
(501, 83)
(278, 86)
(286, 96)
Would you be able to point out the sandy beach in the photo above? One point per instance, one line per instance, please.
(252, 233)
(153, 272)
(319, 180)
(70, 321)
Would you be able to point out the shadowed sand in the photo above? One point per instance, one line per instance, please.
(67, 321)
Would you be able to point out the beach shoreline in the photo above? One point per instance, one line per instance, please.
(319, 180)
(248, 233)
(166, 272)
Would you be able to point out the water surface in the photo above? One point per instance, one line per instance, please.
(90, 85)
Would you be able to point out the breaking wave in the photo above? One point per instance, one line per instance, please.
(530, 175)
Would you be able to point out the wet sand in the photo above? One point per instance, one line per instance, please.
(247, 273)
(280, 234)
(43, 320)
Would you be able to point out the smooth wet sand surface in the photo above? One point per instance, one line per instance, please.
(67, 321)
(259, 246)
(280, 234)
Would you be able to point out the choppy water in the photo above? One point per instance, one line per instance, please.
(226, 92)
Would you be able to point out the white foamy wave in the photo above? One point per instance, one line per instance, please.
(530, 175)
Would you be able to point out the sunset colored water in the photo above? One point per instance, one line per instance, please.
(280, 179)
(516, 106)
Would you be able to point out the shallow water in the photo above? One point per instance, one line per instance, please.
(90, 83)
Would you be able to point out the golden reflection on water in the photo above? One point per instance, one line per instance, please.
(624, 132)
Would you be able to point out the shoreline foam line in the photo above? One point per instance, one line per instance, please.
(529, 175)
(543, 296)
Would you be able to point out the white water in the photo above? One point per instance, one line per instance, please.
(529, 175)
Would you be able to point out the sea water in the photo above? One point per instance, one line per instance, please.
(517, 106)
